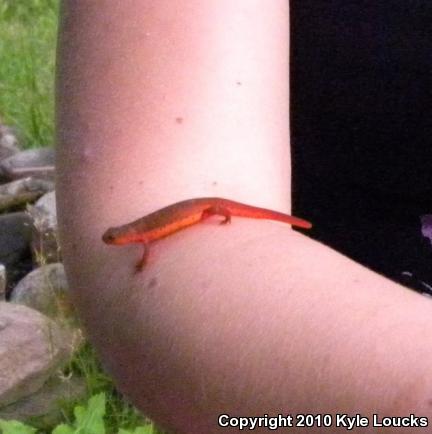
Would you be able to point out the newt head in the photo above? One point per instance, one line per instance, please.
(119, 235)
(109, 237)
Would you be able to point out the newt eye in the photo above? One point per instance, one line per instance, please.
(108, 237)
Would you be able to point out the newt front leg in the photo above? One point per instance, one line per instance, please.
(143, 261)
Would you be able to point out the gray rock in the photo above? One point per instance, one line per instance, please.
(8, 142)
(43, 409)
(32, 162)
(47, 205)
(32, 348)
(3, 281)
(45, 240)
(15, 236)
(44, 289)
(22, 191)
(26, 185)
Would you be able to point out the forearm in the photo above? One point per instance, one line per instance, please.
(157, 105)
(254, 319)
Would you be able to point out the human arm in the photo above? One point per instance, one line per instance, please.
(158, 104)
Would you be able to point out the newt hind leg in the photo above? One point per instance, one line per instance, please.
(217, 210)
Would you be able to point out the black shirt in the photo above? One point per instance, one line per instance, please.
(361, 102)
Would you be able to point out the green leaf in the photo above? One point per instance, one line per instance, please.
(148, 429)
(15, 427)
(63, 429)
(90, 420)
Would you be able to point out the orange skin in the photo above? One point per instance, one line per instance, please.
(180, 215)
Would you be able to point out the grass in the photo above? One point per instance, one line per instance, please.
(27, 55)
(28, 33)
(119, 414)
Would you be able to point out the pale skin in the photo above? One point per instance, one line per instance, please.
(160, 103)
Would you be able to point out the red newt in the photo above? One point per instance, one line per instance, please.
(180, 215)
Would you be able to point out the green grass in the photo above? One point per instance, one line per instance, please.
(28, 33)
(27, 54)
(119, 414)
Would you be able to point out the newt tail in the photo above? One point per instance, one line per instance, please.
(180, 215)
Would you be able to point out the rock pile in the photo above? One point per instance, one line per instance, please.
(38, 333)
